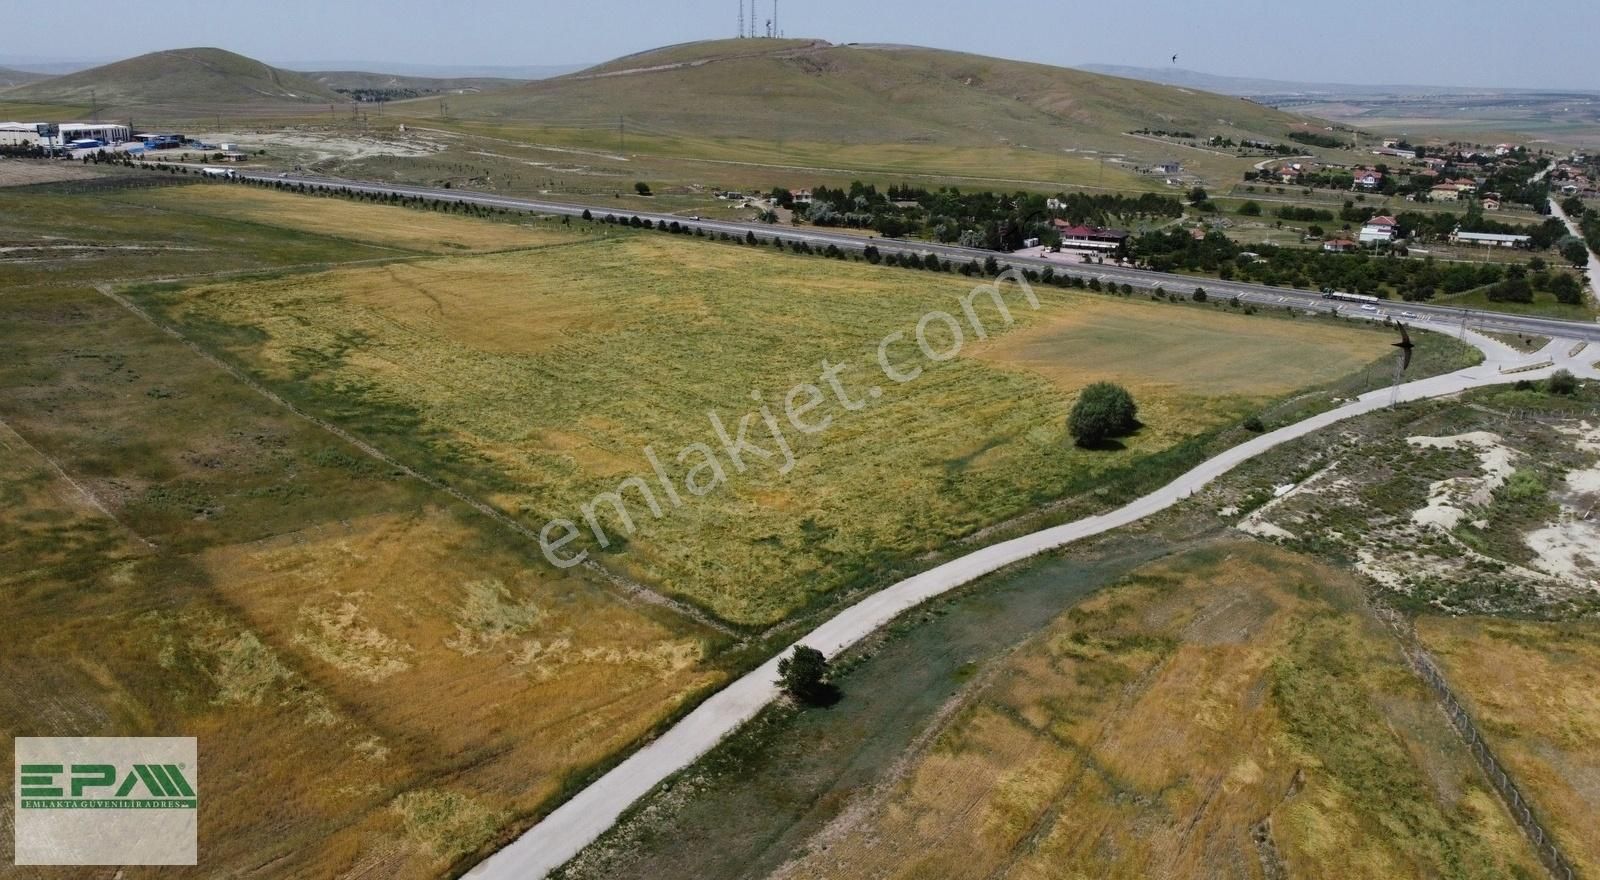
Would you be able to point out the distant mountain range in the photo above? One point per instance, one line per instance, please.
(1252, 87)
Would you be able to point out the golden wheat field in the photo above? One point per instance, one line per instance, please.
(1226, 713)
(382, 680)
(1534, 689)
(539, 379)
(389, 226)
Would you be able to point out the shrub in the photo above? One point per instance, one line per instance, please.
(1103, 411)
(804, 675)
(1562, 382)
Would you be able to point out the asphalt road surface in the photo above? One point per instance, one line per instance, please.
(581, 820)
(1436, 315)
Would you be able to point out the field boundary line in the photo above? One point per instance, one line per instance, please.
(631, 589)
(88, 496)
(1504, 784)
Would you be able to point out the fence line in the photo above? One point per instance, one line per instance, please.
(1518, 804)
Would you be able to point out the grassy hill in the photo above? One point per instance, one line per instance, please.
(347, 81)
(804, 89)
(180, 78)
(10, 78)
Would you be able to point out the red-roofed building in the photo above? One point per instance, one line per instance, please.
(1090, 237)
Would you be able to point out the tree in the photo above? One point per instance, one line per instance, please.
(642, 188)
(1576, 253)
(1250, 209)
(1198, 195)
(804, 675)
(1103, 411)
(586, 215)
(1566, 289)
(1562, 382)
(1199, 294)
(1573, 207)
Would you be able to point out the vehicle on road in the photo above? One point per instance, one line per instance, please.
(1412, 315)
(1369, 308)
(1349, 297)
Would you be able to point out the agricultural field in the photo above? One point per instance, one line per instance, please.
(1229, 711)
(379, 680)
(370, 224)
(1533, 686)
(598, 350)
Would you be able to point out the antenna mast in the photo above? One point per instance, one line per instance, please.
(741, 19)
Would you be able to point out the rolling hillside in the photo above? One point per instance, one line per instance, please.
(9, 77)
(348, 81)
(180, 78)
(854, 94)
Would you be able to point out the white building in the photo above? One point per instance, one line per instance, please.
(19, 134)
(1378, 229)
(104, 132)
(1489, 239)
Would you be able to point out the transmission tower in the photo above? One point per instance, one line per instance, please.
(741, 19)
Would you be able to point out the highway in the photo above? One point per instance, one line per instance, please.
(1437, 316)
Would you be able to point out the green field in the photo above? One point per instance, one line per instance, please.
(378, 678)
(538, 378)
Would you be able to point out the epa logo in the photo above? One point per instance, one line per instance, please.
(106, 800)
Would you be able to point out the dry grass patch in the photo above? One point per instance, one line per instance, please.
(388, 225)
(1215, 715)
(537, 379)
(1535, 690)
(1156, 349)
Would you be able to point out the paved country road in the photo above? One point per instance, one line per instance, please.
(1280, 297)
(581, 820)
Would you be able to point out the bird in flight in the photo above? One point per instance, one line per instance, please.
(1406, 346)
(1174, 59)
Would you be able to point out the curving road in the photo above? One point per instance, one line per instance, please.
(581, 820)
(1139, 278)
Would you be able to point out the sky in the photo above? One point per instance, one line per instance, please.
(1472, 43)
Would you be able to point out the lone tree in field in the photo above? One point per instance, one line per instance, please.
(642, 188)
(1103, 411)
(804, 675)
(1562, 382)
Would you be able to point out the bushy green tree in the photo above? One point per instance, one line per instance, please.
(804, 675)
(1575, 253)
(1562, 382)
(1104, 410)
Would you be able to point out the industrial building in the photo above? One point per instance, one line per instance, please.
(15, 134)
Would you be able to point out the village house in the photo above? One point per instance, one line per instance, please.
(1339, 245)
(1368, 178)
(1378, 230)
(1095, 238)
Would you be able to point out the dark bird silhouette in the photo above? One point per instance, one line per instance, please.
(1405, 344)
(1174, 59)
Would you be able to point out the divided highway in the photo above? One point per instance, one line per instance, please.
(1280, 297)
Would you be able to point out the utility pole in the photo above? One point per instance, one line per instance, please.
(741, 19)
(622, 135)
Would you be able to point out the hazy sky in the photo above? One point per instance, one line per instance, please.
(1465, 42)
